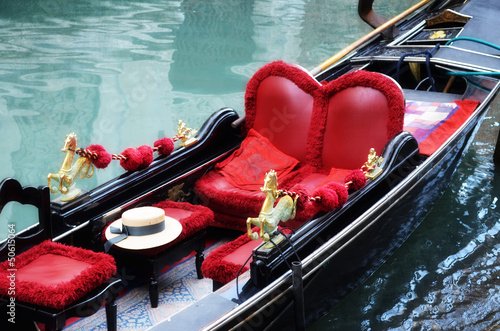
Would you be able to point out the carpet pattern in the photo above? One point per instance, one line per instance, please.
(422, 118)
(178, 288)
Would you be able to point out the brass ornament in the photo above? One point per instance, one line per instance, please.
(438, 35)
(270, 215)
(186, 135)
(68, 173)
(372, 168)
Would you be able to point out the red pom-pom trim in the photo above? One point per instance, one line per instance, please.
(329, 200)
(165, 146)
(132, 159)
(102, 158)
(341, 190)
(356, 179)
(303, 199)
(147, 155)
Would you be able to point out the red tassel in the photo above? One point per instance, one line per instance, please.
(303, 200)
(356, 178)
(329, 198)
(133, 159)
(165, 146)
(341, 192)
(102, 158)
(147, 155)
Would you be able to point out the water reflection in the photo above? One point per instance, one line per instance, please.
(121, 73)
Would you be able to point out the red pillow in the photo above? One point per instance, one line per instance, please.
(247, 166)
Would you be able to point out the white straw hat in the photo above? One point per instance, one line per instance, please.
(142, 228)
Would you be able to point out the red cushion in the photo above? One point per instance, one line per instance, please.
(354, 113)
(220, 196)
(91, 270)
(284, 108)
(246, 168)
(241, 254)
(223, 271)
(177, 213)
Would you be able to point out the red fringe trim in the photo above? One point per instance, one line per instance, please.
(102, 268)
(215, 268)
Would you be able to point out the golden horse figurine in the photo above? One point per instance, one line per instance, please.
(271, 215)
(68, 172)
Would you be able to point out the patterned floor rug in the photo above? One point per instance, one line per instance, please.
(178, 287)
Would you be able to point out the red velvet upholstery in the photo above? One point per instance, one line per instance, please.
(354, 133)
(284, 109)
(51, 269)
(278, 104)
(55, 275)
(223, 264)
(363, 110)
(193, 218)
(284, 96)
(324, 127)
(349, 116)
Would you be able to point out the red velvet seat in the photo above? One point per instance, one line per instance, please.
(322, 127)
(224, 263)
(279, 105)
(50, 282)
(348, 116)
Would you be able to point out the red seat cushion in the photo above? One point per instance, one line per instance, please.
(247, 166)
(324, 127)
(193, 218)
(55, 275)
(51, 269)
(224, 263)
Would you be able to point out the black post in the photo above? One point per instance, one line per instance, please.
(375, 20)
(298, 292)
(496, 154)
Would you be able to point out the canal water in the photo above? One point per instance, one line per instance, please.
(121, 74)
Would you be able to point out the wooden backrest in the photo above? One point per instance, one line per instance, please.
(279, 102)
(10, 191)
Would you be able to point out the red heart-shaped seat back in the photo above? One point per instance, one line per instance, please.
(330, 126)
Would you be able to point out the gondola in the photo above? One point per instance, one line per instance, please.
(418, 86)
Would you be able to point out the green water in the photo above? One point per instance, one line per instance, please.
(122, 73)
